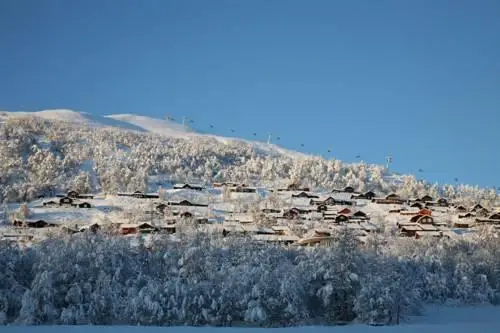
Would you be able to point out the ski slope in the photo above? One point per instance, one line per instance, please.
(145, 124)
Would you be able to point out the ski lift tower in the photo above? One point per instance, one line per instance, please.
(388, 161)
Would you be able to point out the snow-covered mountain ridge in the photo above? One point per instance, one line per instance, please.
(59, 149)
(139, 123)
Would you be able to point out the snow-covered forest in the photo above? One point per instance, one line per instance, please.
(210, 280)
(42, 156)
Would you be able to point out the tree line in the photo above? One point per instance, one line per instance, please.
(204, 279)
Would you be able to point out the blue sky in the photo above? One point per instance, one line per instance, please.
(417, 79)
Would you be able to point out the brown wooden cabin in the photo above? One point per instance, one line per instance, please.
(393, 199)
(37, 224)
(347, 189)
(161, 208)
(417, 205)
(188, 187)
(409, 230)
(442, 202)
(422, 219)
(341, 218)
(461, 209)
(463, 224)
(492, 219)
(129, 229)
(228, 184)
(185, 203)
(184, 215)
(360, 215)
(330, 201)
(476, 208)
(270, 210)
(367, 195)
(66, 201)
(466, 215)
(304, 195)
(140, 195)
(243, 189)
(295, 187)
(146, 228)
(483, 212)
(294, 212)
(322, 208)
(75, 195)
(72, 194)
(426, 198)
(83, 205)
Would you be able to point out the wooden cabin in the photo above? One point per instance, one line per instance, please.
(409, 230)
(360, 215)
(66, 201)
(347, 189)
(426, 198)
(50, 203)
(72, 194)
(38, 224)
(442, 202)
(184, 215)
(322, 208)
(243, 189)
(492, 219)
(161, 208)
(129, 229)
(83, 205)
(140, 195)
(277, 239)
(422, 219)
(294, 212)
(75, 195)
(227, 184)
(392, 196)
(483, 212)
(476, 208)
(467, 215)
(393, 199)
(417, 205)
(146, 228)
(341, 218)
(295, 187)
(304, 195)
(185, 203)
(463, 224)
(270, 210)
(461, 209)
(188, 187)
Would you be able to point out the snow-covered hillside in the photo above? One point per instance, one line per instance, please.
(61, 149)
(139, 123)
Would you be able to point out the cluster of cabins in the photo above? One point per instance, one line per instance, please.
(335, 210)
(71, 199)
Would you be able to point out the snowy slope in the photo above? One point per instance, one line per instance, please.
(437, 319)
(144, 124)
